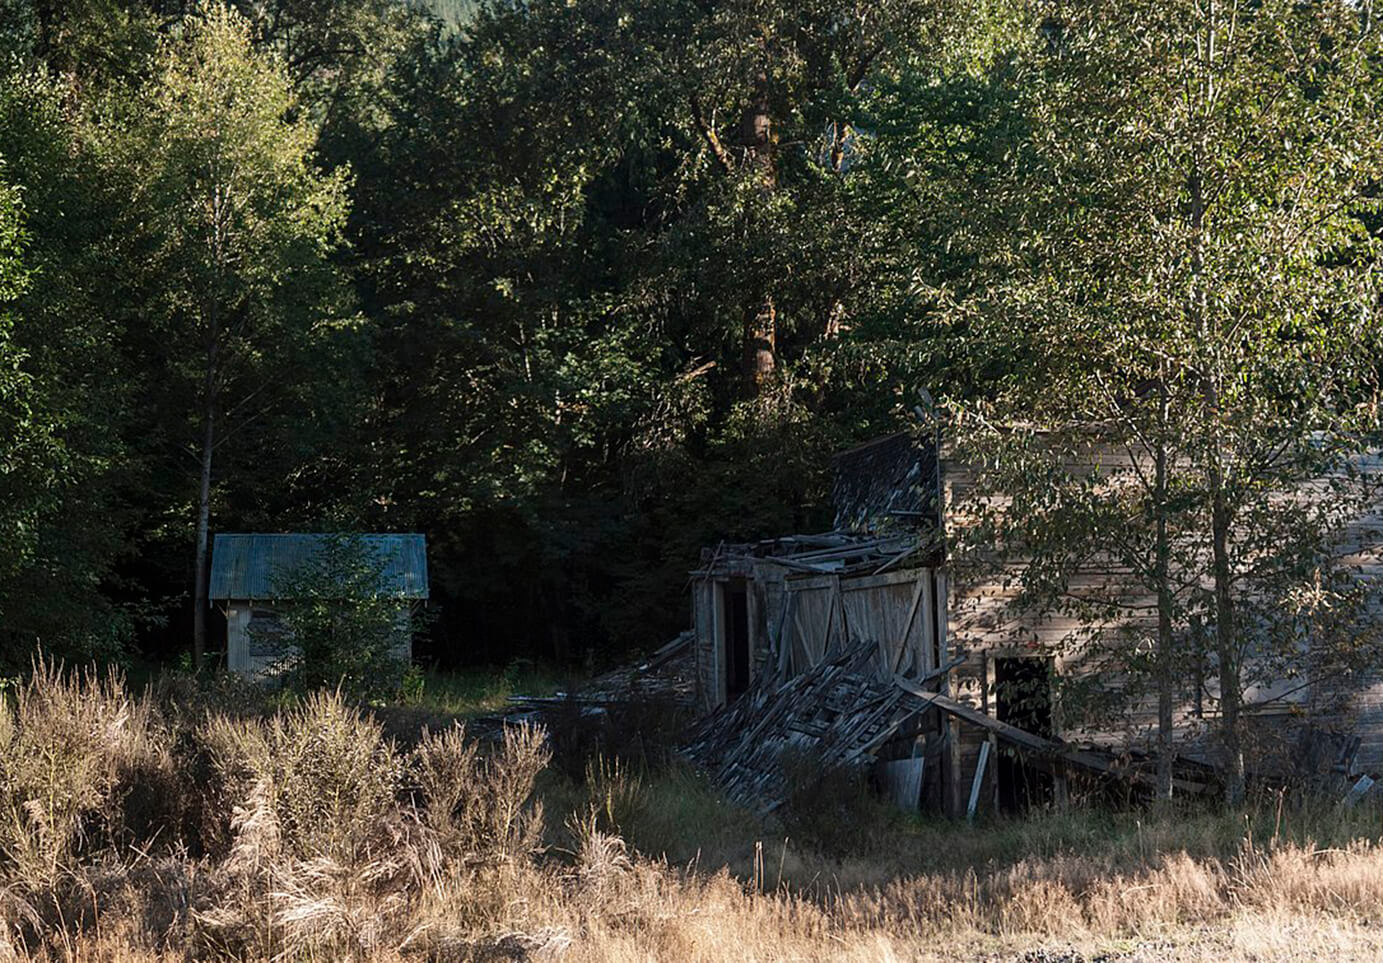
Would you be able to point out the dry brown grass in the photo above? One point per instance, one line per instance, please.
(320, 839)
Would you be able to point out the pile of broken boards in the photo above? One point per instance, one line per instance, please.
(838, 713)
(666, 676)
(842, 713)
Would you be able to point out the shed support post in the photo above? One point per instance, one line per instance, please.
(955, 788)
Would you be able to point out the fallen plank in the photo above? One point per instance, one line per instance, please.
(976, 783)
(1028, 740)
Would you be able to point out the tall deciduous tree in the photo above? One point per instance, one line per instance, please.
(68, 330)
(237, 225)
(1189, 273)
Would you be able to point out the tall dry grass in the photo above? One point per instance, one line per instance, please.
(135, 830)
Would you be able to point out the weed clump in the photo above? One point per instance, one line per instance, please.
(480, 805)
(829, 806)
(82, 765)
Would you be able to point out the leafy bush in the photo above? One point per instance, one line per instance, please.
(334, 626)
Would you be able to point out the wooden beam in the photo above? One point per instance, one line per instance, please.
(1028, 740)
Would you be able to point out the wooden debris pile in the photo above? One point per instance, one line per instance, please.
(841, 712)
(668, 675)
(830, 553)
(838, 713)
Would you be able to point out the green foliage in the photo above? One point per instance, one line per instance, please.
(830, 808)
(577, 289)
(1186, 275)
(336, 627)
(22, 465)
(78, 392)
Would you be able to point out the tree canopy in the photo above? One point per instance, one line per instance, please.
(576, 288)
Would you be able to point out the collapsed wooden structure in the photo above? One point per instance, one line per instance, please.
(860, 646)
(840, 713)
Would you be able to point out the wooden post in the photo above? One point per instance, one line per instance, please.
(953, 763)
(977, 782)
(994, 773)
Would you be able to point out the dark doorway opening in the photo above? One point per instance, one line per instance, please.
(1023, 698)
(735, 599)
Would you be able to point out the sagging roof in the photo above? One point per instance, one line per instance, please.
(830, 553)
(888, 483)
(244, 566)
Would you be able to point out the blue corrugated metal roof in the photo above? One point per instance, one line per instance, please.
(244, 566)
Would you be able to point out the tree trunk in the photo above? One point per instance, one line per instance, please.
(761, 320)
(1162, 574)
(760, 343)
(200, 603)
(1226, 642)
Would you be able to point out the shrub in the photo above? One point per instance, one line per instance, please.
(82, 765)
(322, 768)
(643, 732)
(830, 807)
(480, 804)
(334, 626)
(320, 855)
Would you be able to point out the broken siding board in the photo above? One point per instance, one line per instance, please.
(903, 779)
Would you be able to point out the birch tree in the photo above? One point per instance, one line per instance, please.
(237, 225)
(1190, 276)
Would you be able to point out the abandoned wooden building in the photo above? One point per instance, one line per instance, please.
(249, 572)
(862, 642)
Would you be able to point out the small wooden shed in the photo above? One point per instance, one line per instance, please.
(246, 568)
(782, 605)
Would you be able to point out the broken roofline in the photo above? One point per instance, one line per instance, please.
(828, 553)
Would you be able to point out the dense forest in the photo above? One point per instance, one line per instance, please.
(575, 288)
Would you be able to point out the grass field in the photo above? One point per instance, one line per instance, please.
(194, 822)
(485, 690)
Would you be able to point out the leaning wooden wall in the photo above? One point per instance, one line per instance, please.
(896, 610)
(798, 620)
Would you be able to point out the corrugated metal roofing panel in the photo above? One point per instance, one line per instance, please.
(243, 566)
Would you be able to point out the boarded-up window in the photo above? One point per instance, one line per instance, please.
(267, 634)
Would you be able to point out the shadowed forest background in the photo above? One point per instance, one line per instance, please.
(576, 289)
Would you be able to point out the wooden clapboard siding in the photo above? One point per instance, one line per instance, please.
(982, 620)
